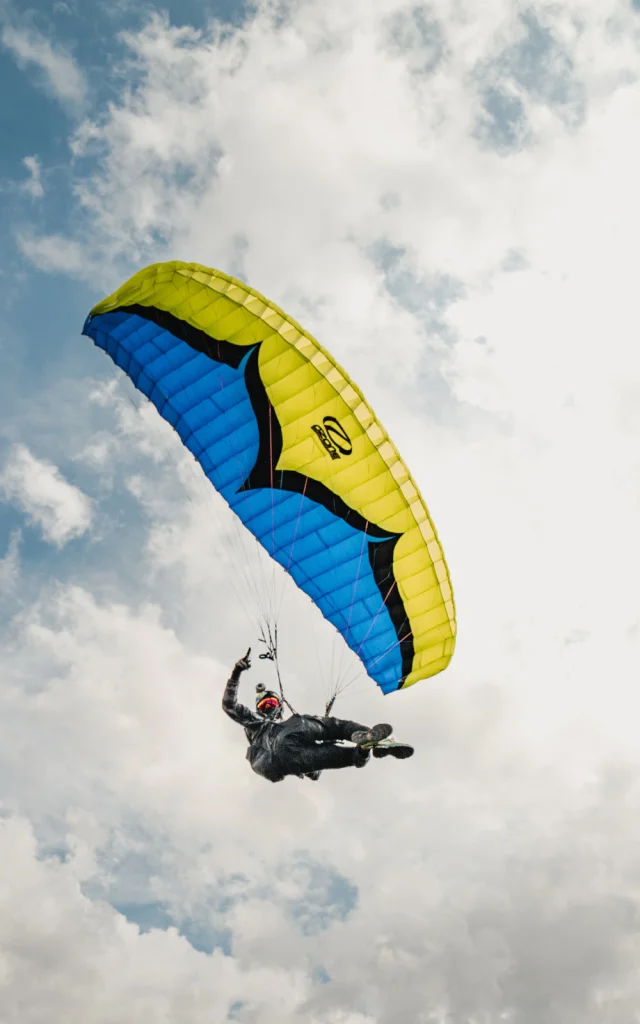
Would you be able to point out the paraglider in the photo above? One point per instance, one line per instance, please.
(293, 447)
(302, 745)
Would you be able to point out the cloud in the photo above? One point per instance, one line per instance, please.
(10, 565)
(54, 253)
(59, 72)
(492, 889)
(33, 185)
(61, 510)
(103, 968)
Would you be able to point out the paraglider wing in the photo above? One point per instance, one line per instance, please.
(293, 447)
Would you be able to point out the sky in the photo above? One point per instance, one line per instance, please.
(445, 195)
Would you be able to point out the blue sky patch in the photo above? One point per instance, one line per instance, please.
(326, 895)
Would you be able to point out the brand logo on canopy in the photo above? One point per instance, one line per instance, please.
(333, 437)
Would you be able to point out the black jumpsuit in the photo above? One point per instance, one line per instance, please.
(298, 746)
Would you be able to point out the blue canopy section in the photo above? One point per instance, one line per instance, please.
(208, 404)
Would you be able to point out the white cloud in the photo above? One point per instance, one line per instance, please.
(484, 884)
(54, 253)
(60, 73)
(59, 508)
(101, 967)
(33, 185)
(141, 718)
(10, 565)
(99, 452)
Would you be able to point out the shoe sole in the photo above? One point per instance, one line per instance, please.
(401, 751)
(372, 736)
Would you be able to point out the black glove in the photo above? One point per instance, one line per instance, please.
(242, 664)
